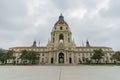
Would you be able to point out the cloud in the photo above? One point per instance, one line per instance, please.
(22, 21)
(113, 11)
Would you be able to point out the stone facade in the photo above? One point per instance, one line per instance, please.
(61, 49)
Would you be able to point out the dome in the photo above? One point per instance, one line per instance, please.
(61, 25)
(61, 21)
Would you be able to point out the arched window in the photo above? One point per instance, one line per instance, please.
(66, 28)
(61, 37)
(68, 39)
(53, 40)
(61, 28)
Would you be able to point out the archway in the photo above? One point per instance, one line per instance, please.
(70, 60)
(61, 37)
(61, 58)
(52, 60)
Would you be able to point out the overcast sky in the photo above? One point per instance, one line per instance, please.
(23, 21)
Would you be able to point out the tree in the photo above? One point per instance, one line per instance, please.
(98, 55)
(1, 55)
(5, 55)
(33, 56)
(116, 56)
(88, 61)
(10, 54)
(30, 56)
(23, 57)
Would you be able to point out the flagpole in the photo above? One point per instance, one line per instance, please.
(39, 43)
(82, 43)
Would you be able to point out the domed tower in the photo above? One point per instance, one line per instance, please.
(34, 44)
(61, 34)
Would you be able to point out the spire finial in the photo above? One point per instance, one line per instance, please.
(61, 17)
(61, 14)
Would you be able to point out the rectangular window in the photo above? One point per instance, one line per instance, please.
(42, 59)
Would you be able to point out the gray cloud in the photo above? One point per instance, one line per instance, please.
(113, 10)
(22, 21)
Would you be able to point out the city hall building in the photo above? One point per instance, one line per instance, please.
(61, 49)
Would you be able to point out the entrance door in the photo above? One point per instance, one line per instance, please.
(70, 60)
(52, 60)
(61, 58)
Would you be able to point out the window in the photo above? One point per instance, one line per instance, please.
(68, 39)
(53, 40)
(61, 28)
(61, 37)
(66, 28)
(87, 49)
(42, 59)
(69, 54)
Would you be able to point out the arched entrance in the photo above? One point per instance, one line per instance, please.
(52, 60)
(61, 58)
(70, 60)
